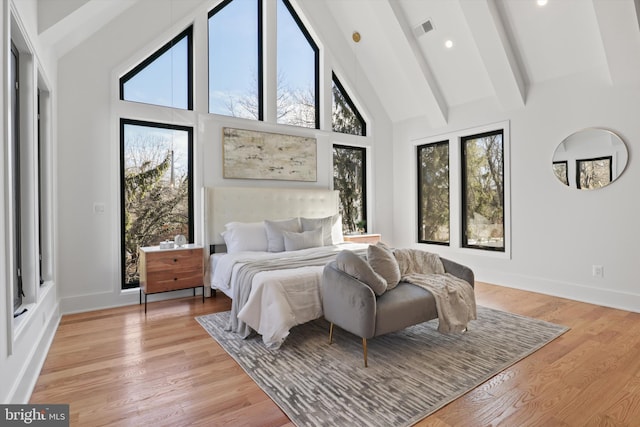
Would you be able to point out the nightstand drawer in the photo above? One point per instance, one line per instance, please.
(174, 283)
(173, 260)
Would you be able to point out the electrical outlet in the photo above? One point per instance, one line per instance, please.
(597, 271)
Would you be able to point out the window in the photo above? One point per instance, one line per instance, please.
(561, 171)
(156, 188)
(594, 173)
(235, 64)
(483, 191)
(345, 117)
(14, 129)
(298, 62)
(433, 193)
(349, 178)
(164, 78)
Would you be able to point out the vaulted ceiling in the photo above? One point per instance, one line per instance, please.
(500, 49)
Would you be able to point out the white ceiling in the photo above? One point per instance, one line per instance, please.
(501, 48)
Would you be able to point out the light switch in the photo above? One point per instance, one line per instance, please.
(98, 208)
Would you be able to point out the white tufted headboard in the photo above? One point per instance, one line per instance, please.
(252, 204)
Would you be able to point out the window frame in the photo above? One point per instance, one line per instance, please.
(335, 80)
(188, 33)
(463, 177)
(190, 173)
(316, 56)
(419, 149)
(579, 162)
(16, 190)
(260, 71)
(362, 150)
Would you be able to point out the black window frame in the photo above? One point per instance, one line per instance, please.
(316, 52)
(420, 174)
(463, 186)
(189, 130)
(260, 25)
(18, 289)
(363, 151)
(593, 159)
(188, 33)
(350, 103)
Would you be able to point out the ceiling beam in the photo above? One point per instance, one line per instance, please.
(496, 50)
(439, 109)
(77, 26)
(620, 35)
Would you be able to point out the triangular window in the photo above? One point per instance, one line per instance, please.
(298, 61)
(164, 78)
(345, 117)
(235, 67)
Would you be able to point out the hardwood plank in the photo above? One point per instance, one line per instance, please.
(120, 367)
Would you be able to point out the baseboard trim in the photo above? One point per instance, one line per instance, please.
(573, 291)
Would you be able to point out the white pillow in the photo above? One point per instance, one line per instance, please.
(275, 239)
(306, 239)
(331, 228)
(245, 236)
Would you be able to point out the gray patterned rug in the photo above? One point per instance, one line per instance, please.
(411, 373)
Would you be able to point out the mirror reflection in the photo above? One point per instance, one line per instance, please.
(589, 159)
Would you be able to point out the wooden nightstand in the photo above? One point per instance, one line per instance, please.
(165, 270)
(362, 238)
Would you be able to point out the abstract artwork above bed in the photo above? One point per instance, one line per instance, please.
(261, 155)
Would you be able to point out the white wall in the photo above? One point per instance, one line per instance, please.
(88, 141)
(557, 233)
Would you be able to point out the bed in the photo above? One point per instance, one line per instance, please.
(275, 243)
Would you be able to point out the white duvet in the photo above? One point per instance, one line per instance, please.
(279, 299)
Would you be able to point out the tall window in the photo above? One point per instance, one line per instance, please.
(156, 188)
(235, 59)
(483, 191)
(14, 129)
(298, 60)
(345, 117)
(433, 193)
(349, 178)
(164, 78)
(594, 173)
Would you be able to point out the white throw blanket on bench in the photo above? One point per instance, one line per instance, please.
(455, 298)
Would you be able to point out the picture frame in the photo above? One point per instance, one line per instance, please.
(249, 154)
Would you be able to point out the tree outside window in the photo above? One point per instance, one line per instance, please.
(349, 178)
(433, 193)
(157, 198)
(483, 191)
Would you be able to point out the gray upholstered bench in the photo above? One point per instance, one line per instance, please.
(353, 305)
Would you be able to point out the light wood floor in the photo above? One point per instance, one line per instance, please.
(118, 367)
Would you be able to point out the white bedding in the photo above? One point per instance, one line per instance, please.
(279, 299)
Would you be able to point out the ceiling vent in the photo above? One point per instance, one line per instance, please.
(423, 28)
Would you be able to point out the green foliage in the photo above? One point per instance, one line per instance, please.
(434, 187)
(484, 190)
(348, 168)
(343, 118)
(155, 209)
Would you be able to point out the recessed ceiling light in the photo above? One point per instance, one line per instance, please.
(541, 2)
(448, 44)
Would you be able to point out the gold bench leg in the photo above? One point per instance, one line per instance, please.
(331, 333)
(364, 346)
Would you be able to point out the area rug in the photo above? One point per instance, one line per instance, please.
(411, 373)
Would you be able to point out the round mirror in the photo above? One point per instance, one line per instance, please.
(589, 159)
